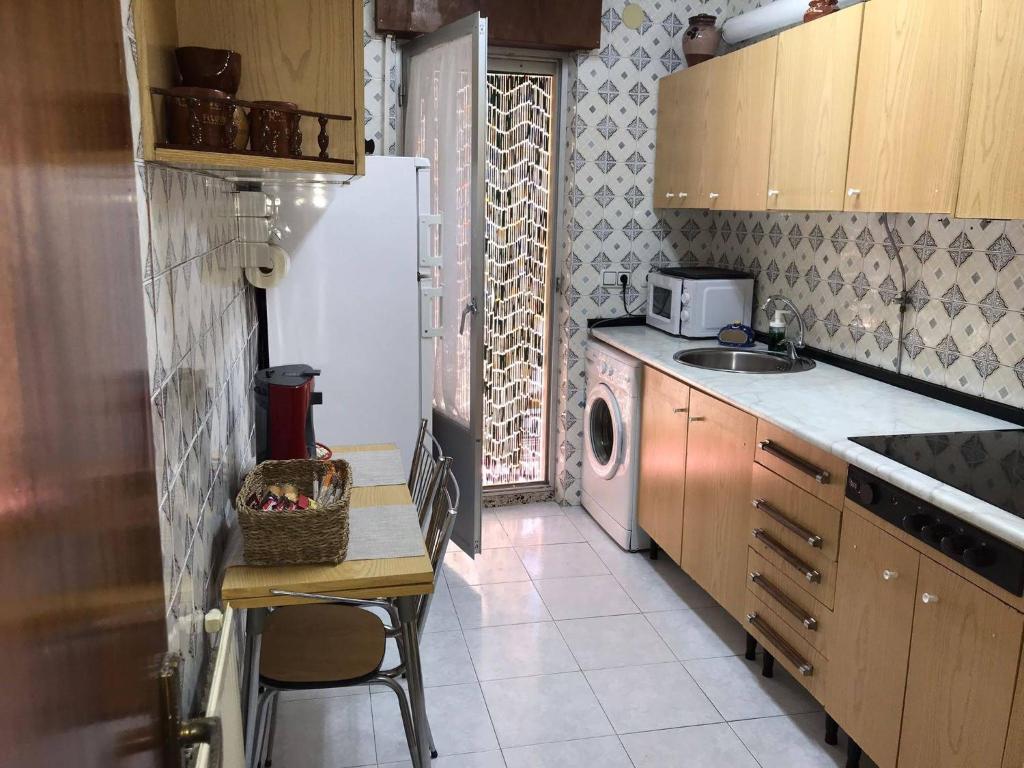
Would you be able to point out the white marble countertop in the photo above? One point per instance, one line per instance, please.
(826, 406)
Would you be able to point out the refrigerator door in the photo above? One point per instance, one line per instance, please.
(445, 119)
(349, 305)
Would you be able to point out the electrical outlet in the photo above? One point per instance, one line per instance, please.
(611, 278)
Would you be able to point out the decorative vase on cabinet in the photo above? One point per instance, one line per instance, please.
(819, 8)
(701, 39)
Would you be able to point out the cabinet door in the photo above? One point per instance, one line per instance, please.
(992, 181)
(814, 86)
(963, 660)
(716, 511)
(663, 460)
(741, 88)
(681, 125)
(870, 643)
(913, 90)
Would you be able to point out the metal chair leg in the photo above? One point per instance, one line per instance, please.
(831, 730)
(751, 653)
(430, 737)
(260, 728)
(403, 706)
(271, 727)
(853, 754)
(768, 666)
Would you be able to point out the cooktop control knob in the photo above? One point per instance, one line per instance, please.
(865, 492)
(956, 545)
(979, 556)
(915, 523)
(934, 533)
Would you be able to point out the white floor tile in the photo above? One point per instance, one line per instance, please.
(474, 760)
(552, 529)
(441, 616)
(586, 525)
(651, 698)
(519, 650)
(458, 720)
(335, 732)
(603, 752)
(704, 633)
(614, 641)
(784, 742)
(538, 509)
(492, 534)
(492, 566)
(710, 746)
(736, 687)
(654, 585)
(489, 605)
(445, 659)
(552, 561)
(532, 710)
(584, 596)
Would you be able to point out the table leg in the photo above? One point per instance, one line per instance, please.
(414, 675)
(253, 638)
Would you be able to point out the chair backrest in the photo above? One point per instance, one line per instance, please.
(425, 459)
(444, 505)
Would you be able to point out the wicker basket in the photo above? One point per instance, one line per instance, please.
(301, 536)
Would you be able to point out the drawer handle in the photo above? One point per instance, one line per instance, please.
(820, 475)
(785, 601)
(681, 410)
(805, 570)
(811, 538)
(802, 666)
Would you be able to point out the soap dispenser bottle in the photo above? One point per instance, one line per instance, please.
(777, 331)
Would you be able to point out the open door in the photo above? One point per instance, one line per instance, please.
(444, 77)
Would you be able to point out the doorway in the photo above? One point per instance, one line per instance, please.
(523, 101)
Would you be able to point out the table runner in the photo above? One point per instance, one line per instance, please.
(375, 467)
(383, 532)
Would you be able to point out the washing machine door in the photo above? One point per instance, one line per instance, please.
(602, 432)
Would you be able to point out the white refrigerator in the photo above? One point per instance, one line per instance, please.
(359, 301)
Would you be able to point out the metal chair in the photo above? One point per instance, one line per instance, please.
(338, 643)
(425, 456)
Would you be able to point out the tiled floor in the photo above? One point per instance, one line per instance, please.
(556, 648)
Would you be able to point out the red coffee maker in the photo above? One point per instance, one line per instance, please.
(284, 412)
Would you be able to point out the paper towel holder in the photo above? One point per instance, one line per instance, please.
(246, 255)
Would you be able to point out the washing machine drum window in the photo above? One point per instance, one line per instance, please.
(603, 427)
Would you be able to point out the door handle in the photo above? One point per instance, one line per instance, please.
(470, 308)
(177, 732)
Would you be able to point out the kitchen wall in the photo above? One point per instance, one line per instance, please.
(201, 339)
(382, 71)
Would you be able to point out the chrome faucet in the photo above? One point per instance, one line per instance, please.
(790, 343)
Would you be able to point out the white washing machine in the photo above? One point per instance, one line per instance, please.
(611, 431)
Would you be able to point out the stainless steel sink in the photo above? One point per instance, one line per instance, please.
(742, 360)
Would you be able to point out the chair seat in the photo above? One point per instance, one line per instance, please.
(321, 646)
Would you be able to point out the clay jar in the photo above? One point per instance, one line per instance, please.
(196, 119)
(819, 8)
(215, 68)
(701, 39)
(272, 131)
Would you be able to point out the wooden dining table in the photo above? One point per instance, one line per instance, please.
(252, 588)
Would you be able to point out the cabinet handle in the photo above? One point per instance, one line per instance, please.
(773, 193)
(805, 570)
(714, 195)
(820, 475)
(683, 195)
(698, 418)
(851, 192)
(681, 410)
(890, 575)
(802, 666)
(785, 601)
(812, 539)
(670, 194)
(929, 598)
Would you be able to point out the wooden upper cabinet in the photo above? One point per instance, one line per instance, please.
(814, 89)
(741, 91)
(870, 641)
(681, 133)
(716, 510)
(964, 653)
(913, 91)
(663, 460)
(992, 181)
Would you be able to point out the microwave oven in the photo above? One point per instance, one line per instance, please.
(697, 302)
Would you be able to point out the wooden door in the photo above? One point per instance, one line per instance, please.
(681, 136)
(913, 90)
(992, 181)
(722, 82)
(82, 612)
(870, 642)
(716, 510)
(814, 86)
(964, 654)
(747, 174)
(663, 460)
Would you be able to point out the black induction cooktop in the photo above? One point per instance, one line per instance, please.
(987, 465)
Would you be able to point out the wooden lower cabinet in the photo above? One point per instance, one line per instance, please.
(870, 644)
(964, 656)
(663, 460)
(716, 510)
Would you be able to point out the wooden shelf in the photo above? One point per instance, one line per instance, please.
(309, 52)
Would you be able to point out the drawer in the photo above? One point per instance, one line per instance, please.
(813, 469)
(815, 576)
(808, 618)
(801, 521)
(807, 666)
